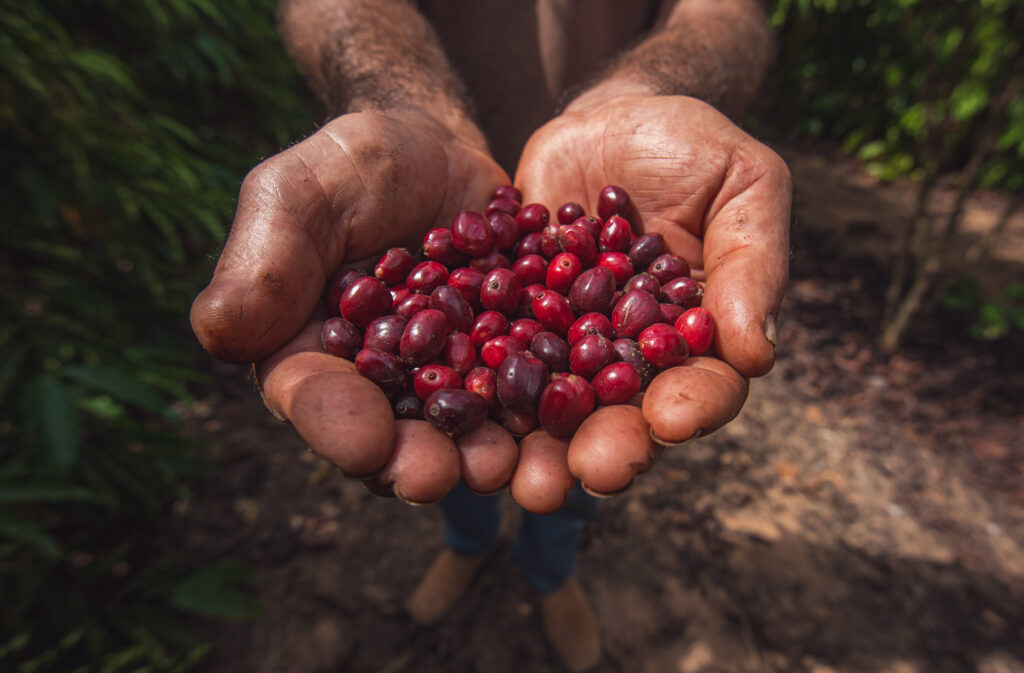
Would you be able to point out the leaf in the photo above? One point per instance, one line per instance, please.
(57, 418)
(967, 100)
(28, 533)
(212, 592)
(119, 384)
(47, 493)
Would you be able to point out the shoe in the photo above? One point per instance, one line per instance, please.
(444, 583)
(570, 627)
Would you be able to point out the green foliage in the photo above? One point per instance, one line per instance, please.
(908, 86)
(990, 317)
(126, 127)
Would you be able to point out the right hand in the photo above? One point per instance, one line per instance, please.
(363, 183)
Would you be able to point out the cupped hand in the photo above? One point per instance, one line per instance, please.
(722, 201)
(361, 184)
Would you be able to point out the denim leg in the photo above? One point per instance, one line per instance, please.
(471, 521)
(547, 544)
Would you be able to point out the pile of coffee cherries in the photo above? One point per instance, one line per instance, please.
(513, 316)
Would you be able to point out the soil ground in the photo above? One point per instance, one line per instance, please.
(863, 513)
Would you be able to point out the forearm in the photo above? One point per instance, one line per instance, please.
(714, 50)
(362, 55)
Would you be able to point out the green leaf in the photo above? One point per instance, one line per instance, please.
(57, 418)
(213, 592)
(968, 99)
(119, 384)
(26, 532)
(47, 493)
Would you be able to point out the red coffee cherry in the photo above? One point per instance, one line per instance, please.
(616, 383)
(365, 300)
(663, 346)
(564, 405)
(341, 338)
(394, 266)
(698, 328)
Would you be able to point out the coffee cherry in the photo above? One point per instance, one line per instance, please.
(394, 266)
(552, 310)
(565, 267)
(633, 313)
(670, 313)
(521, 379)
(618, 263)
(663, 346)
(552, 350)
(506, 231)
(643, 281)
(398, 294)
(490, 261)
(592, 292)
(645, 249)
(456, 309)
(616, 235)
(549, 245)
(455, 411)
(459, 352)
(437, 245)
(698, 328)
(531, 269)
(508, 192)
(577, 240)
(684, 291)
(612, 201)
(384, 333)
(668, 266)
(591, 224)
(591, 323)
(365, 300)
(529, 245)
(384, 369)
(340, 338)
(468, 281)
(412, 305)
(530, 292)
(564, 405)
(501, 291)
(590, 354)
(569, 212)
(426, 276)
(435, 377)
(483, 382)
(498, 349)
(488, 325)
(628, 351)
(408, 406)
(533, 217)
(616, 383)
(423, 338)
(502, 205)
(336, 287)
(525, 329)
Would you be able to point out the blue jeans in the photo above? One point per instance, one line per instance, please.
(547, 543)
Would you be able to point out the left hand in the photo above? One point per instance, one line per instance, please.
(722, 201)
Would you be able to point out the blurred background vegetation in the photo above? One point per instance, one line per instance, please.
(127, 127)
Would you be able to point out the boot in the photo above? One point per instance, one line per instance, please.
(444, 583)
(570, 627)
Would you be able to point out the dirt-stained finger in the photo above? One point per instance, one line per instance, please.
(488, 457)
(424, 465)
(611, 447)
(694, 399)
(542, 480)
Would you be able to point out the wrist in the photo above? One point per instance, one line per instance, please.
(607, 90)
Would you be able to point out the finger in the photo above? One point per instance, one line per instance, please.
(746, 258)
(611, 447)
(693, 400)
(488, 457)
(363, 183)
(424, 465)
(542, 480)
(343, 416)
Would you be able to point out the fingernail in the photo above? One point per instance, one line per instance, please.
(770, 331)
(659, 440)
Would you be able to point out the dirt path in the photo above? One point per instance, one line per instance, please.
(862, 514)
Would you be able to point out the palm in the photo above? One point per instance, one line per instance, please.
(721, 200)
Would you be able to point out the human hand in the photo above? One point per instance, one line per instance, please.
(363, 183)
(722, 201)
